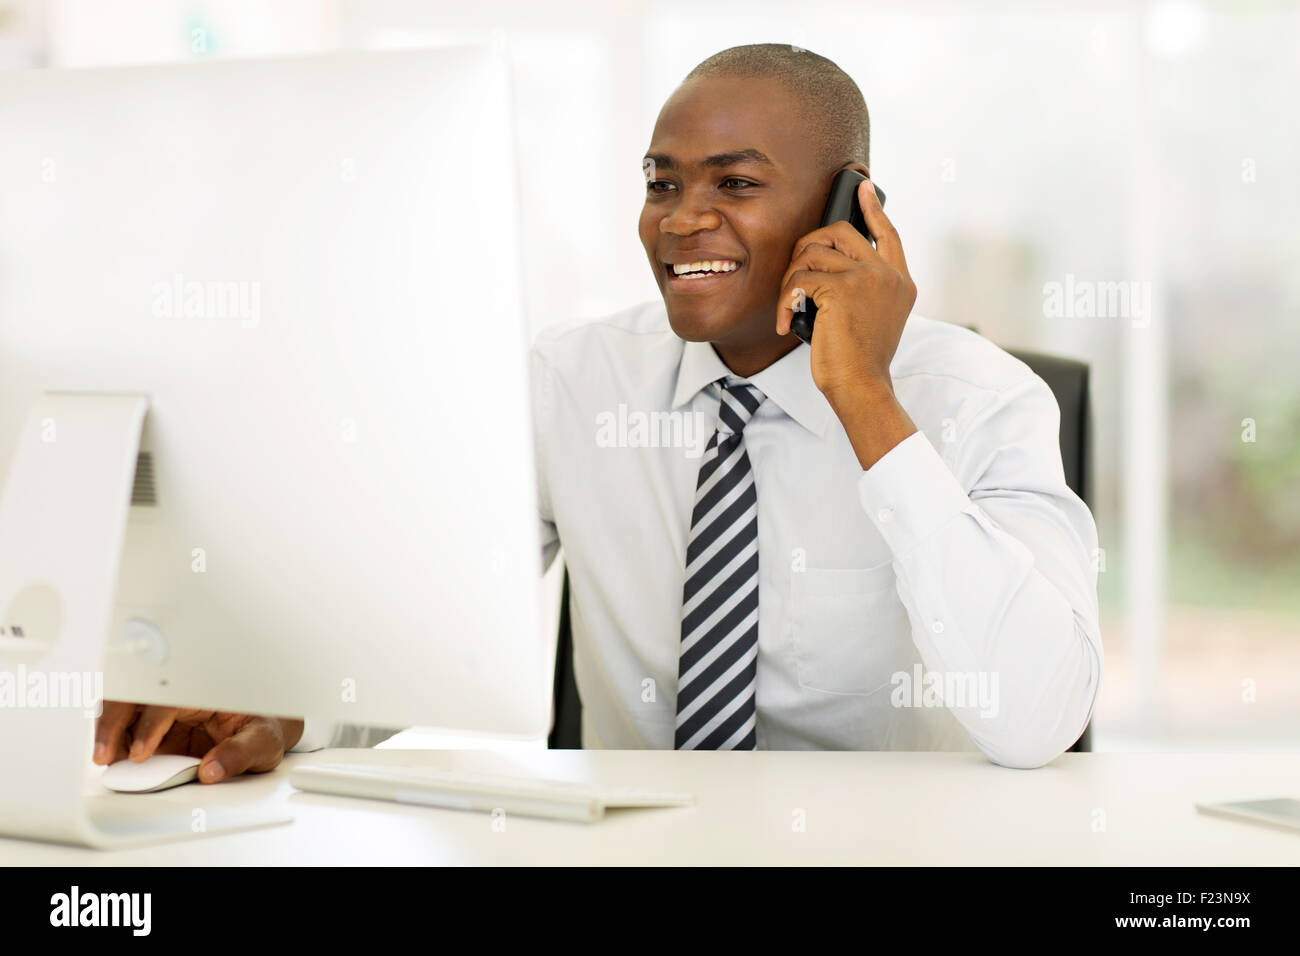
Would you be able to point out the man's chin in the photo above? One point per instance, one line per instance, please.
(700, 328)
(693, 335)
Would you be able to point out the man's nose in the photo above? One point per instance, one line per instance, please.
(692, 213)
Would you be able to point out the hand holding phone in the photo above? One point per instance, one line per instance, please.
(856, 268)
(841, 205)
(853, 281)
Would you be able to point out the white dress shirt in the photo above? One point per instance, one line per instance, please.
(959, 560)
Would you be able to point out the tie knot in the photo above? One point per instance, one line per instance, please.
(739, 402)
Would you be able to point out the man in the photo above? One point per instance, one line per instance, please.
(874, 549)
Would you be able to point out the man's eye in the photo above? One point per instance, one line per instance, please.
(652, 183)
(742, 183)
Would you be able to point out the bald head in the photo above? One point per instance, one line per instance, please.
(833, 102)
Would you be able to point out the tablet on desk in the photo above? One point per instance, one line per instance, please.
(1279, 811)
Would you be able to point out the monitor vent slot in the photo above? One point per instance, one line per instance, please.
(143, 491)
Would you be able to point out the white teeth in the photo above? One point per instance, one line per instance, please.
(715, 265)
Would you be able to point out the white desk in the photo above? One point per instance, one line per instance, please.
(858, 808)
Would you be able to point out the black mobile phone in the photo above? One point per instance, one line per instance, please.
(842, 204)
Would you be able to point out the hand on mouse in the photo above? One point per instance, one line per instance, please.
(228, 744)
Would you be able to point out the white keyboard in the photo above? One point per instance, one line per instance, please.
(465, 790)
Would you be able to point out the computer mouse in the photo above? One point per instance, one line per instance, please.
(159, 772)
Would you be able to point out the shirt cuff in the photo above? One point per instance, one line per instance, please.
(316, 735)
(910, 493)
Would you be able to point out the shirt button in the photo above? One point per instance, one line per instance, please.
(937, 627)
(884, 514)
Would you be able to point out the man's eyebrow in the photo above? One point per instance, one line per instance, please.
(731, 158)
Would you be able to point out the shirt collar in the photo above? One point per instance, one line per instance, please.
(787, 382)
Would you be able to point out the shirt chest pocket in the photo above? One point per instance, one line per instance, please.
(849, 631)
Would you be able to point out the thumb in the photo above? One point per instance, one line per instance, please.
(257, 746)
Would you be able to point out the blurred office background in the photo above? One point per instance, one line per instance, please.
(1021, 144)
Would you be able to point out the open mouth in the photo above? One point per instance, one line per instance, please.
(706, 274)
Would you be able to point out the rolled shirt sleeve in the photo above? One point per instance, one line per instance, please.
(316, 735)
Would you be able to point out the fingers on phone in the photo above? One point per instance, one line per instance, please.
(867, 195)
(882, 230)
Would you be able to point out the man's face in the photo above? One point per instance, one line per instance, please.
(731, 175)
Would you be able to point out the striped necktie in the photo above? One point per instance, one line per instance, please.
(718, 663)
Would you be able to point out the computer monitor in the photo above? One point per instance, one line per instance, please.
(264, 429)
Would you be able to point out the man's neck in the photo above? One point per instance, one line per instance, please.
(749, 360)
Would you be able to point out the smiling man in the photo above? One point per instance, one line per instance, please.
(876, 549)
(871, 544)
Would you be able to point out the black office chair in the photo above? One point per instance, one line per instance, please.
(1068, 380)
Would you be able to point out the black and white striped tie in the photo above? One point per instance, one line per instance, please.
(718, 663)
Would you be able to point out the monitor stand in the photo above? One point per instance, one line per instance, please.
(63, 515)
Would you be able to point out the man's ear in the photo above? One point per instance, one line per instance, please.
(859, 167)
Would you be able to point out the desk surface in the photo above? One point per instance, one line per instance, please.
(856, 808)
